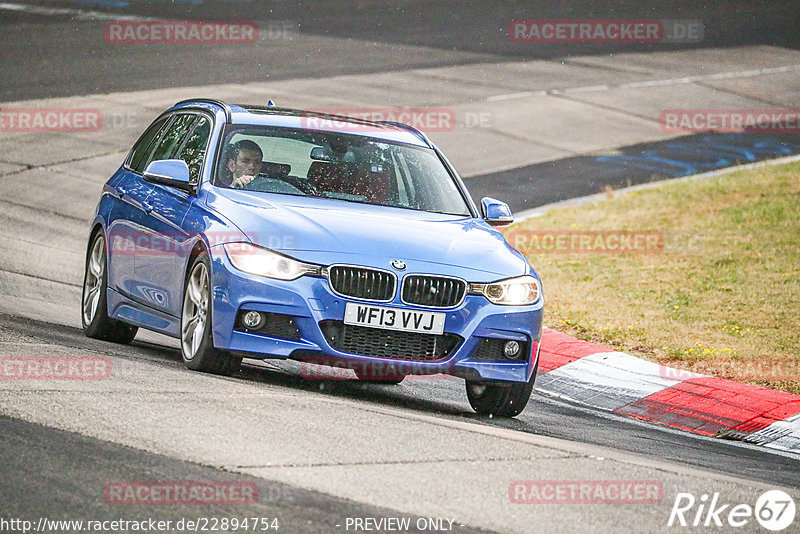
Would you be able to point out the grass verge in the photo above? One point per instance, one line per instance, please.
(722, 297)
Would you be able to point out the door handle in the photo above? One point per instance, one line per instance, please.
(121, 191)
(147, 207)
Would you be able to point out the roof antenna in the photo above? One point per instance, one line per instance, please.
(270, 104)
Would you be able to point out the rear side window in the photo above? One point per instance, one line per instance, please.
(193, 151)
(172, 138)
(143, 146)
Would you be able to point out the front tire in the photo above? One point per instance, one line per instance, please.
(94, 301)
(197, 346)
(501, 400)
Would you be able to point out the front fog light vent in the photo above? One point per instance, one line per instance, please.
(274, 325)
(253, 320)
(500, 350)
(511, 349)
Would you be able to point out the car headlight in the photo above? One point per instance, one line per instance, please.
(264, 262)
(519, 291)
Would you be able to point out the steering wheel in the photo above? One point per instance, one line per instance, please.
(264, 183)
(259, 183)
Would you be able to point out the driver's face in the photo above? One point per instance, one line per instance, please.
(248, 162)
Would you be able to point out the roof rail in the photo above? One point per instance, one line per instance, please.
(214, 101)
(262, 107)
(411, 129)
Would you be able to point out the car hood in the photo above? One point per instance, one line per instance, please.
(326, 231)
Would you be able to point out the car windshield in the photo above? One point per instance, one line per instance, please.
(345, 167)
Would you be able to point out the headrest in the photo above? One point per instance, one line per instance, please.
(276, 170)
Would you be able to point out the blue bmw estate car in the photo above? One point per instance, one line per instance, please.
(265, 232)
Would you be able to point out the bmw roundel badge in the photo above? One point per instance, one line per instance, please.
(400, 265)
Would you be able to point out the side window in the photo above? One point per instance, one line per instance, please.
(194, 147)
(171, 140)
(142, 147)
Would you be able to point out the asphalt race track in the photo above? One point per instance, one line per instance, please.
(534, 124)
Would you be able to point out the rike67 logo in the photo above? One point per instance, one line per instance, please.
(774, 510)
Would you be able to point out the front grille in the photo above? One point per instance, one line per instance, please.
(392, 344)
(362, 283)
(433, 291)
(491, 350)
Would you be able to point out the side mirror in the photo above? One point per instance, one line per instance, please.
(170, 172)
(495, 212)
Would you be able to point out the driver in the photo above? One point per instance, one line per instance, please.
(242, 164)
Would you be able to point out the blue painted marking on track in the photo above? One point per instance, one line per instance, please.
(703, 153)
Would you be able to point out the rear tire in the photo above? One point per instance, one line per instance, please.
(94, 300)
(197, 345)
(499, 400)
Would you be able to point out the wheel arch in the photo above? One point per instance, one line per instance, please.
(199, 247)
(97, 227)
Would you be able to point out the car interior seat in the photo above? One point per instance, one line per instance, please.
(374, 182)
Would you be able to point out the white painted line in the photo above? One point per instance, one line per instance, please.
(79, 14)
(512, 96)
(588, 89)
(781, 435)
(650, 83)
(607, 380)
(710, 77)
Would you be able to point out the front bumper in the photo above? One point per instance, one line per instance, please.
(310, 301)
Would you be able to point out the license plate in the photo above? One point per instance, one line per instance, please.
(394, 318)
